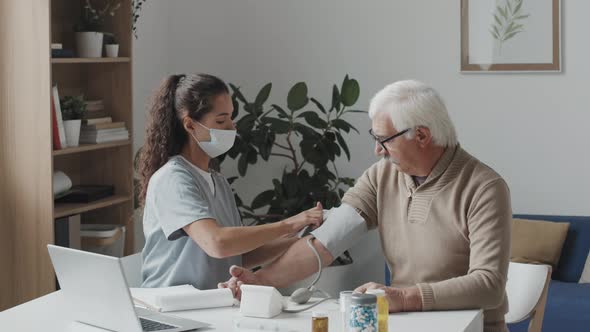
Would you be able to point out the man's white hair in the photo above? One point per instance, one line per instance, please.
(411, 104)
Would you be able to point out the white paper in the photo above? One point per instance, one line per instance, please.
(195, 299)
(184, 297)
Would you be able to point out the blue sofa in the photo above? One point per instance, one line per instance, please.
(568, 302)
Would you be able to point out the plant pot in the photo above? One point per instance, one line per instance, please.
(112, 50)
(89, 44)
(72, 129)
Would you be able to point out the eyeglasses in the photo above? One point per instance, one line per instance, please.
(382, 141)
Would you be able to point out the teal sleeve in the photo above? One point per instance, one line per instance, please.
(178, 202)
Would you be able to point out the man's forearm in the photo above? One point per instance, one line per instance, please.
(267, 253)
(297, 263)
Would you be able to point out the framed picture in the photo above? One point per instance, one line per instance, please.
(510, 35)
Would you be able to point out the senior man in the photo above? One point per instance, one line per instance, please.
(443, 216)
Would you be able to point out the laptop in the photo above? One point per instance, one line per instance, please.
(96, 293)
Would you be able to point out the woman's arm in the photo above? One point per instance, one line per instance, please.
(221, 242)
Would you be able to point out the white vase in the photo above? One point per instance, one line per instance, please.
(72, 129)
(89, 44)
(112, 50)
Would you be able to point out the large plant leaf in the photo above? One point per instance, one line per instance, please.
(314, 120)
(350, 91)
(335, 98)
(264, 140)
(236, 107)
(246, 123)
(297, 97)
(314, 152)
(319, 105)
(278, 126)
(290, 203)
(278, 188)
(252, 156)
(307, 132)
(341, 124)
(262, 96)
(263, 199)
(342, 143)
(280, 110)
(290, 184)
(238, 200)
(237, 93)
(243, 164)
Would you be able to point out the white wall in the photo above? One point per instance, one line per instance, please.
(531, 128)
(150, 61)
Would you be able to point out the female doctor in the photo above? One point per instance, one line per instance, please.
(191, 222)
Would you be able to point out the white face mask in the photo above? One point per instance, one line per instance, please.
(221, 141)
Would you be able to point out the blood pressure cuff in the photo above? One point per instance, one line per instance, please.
(342, 228)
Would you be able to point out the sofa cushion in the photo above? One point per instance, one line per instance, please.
(537, 242)
(585, 278)
(567, 308)
(575, 249)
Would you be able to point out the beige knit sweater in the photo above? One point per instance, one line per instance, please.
(450, 236)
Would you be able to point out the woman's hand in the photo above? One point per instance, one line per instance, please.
(311, 217)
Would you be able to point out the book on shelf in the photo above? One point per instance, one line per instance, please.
(86, 193)
(104, 136)
(92, 121)
(95, 115)
(58, 116)
(54, 130)
(62, 53)
(104, 125)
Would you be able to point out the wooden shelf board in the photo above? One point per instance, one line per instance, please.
(90, 147)
(90, 60)
(68, 209)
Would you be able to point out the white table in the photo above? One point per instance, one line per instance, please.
(47, 314)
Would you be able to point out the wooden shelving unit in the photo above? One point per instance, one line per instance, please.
(68, 209)
(90, 60)
(90, 147)
(27, 160)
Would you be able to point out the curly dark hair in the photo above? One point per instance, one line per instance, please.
(178, 96)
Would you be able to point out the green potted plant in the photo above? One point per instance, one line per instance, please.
(73, 109)
(309, 140)
(89, 34)
(111, 45)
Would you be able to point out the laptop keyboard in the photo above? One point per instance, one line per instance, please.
(150, 325)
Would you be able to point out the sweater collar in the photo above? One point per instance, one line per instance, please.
(441, 166)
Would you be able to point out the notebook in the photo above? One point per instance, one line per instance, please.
(184, 297)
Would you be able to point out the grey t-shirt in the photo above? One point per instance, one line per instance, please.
(177, 196)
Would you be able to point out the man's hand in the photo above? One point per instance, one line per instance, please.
(399, 299)
(239, 276)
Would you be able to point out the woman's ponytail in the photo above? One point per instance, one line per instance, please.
(163, 138)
